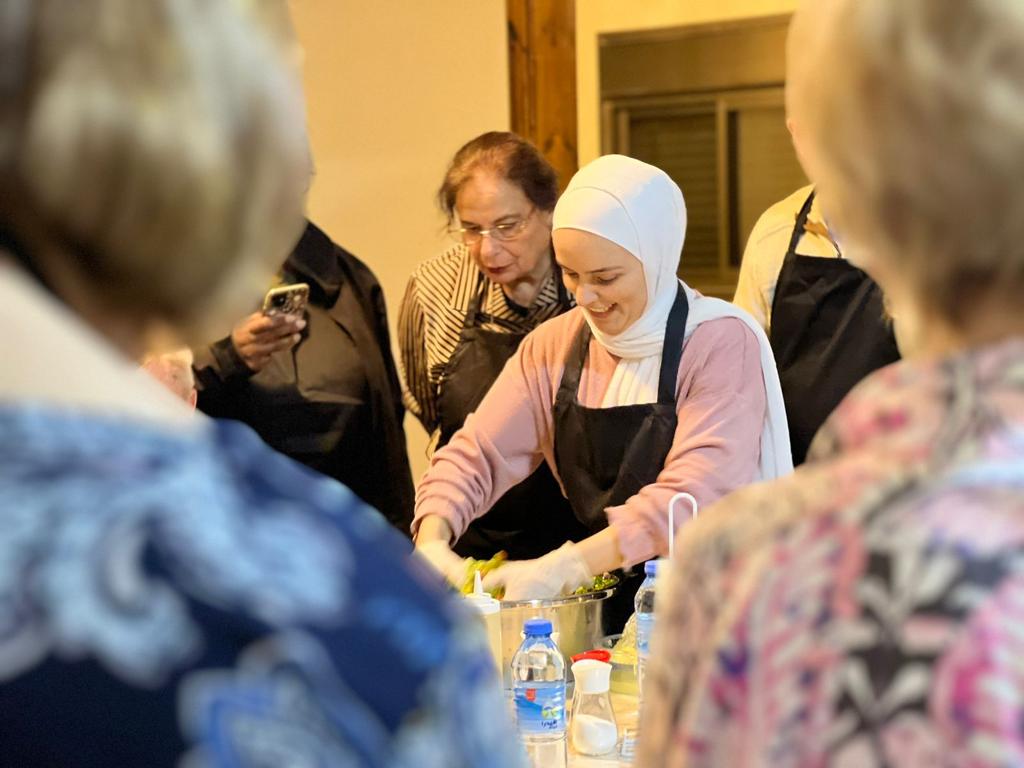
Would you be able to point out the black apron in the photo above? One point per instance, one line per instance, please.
(606, 455)
(828, 332)
(533, 517)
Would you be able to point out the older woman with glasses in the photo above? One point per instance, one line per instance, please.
(466, 311)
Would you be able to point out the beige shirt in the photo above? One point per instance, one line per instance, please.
(766, 251)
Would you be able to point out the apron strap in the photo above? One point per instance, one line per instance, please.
(672, 353)
(476, 302)
(801, 222)
(475, 314)
(574, 362)
(672, 350)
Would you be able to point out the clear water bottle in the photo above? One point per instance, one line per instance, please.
(538, 689)
(644, 604)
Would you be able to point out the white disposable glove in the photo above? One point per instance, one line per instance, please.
(555, 574)
(446, 562)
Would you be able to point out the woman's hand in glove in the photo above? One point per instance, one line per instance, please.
(446, 562)
(553, 575)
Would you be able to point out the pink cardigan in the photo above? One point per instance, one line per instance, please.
(720, 399)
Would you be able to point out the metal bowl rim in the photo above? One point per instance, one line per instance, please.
(557, 602)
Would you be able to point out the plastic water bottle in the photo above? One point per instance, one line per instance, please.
(538, 689)
(644, 604)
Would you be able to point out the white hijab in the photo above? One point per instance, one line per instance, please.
(639, 208)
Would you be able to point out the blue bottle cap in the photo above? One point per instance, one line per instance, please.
(651, 568)
(537, 627)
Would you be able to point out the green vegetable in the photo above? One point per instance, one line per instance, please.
(484, 567)
(600, 583)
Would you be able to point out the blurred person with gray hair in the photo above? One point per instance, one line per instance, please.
(173, 592)
(867, 610)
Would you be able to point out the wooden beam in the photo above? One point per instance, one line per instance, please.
(542, 74)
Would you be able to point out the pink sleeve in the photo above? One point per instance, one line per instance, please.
(499, 445)
(717, 445)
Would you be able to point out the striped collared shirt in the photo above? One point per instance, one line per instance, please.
(432, 316)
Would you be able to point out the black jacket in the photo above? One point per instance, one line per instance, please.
(332, 402)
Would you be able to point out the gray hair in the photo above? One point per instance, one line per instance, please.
(155, 148)
(912, 114)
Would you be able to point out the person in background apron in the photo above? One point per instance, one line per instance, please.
(829, 330)
(824, 316)
(465, 313)
(645, 389)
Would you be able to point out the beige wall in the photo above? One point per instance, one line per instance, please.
(597, 17)
(394, 87)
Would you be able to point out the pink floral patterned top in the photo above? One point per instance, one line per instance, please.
(869, 609)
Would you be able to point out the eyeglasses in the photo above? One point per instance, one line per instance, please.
(504, 232)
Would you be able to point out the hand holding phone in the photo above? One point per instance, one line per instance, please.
(258, 337)
(286, 300)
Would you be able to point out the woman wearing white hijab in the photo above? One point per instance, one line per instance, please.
(644, 390)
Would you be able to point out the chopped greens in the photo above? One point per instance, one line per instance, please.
(483, 567)
(600, 583)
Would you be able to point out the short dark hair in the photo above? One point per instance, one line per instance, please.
(511, 156)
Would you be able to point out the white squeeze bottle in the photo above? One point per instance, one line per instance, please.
(644, 604)
(489, 611)
(538, 688)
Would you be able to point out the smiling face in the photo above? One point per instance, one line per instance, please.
(606, 280)
(486, 200)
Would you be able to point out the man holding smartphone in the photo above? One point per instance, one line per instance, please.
(312, 373)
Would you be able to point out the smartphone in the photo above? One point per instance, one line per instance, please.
(286, 300)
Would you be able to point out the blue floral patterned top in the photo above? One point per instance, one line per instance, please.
(199, 600)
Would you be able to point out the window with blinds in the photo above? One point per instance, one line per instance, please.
(731, 155)
(706, 105)
(762, 167)
(684, 146)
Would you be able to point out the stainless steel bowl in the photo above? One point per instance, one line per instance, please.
(575, 624)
